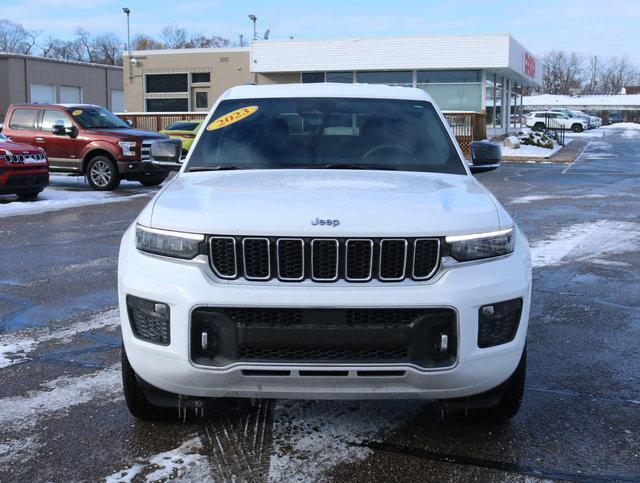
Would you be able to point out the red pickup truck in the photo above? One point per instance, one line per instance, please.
(23, 169)
(86, 140)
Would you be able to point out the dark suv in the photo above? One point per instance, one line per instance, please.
(86, 140)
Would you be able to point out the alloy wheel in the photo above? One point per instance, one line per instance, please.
(100, 173)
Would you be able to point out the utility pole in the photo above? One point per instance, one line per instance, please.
(127, 12)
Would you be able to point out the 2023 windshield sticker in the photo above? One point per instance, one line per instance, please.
(232, 117)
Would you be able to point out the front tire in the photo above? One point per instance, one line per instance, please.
(538, 126)
(102, 174)
(152, 181)
(577, 128)
(511, 399)
(29, 195)
(137, 403)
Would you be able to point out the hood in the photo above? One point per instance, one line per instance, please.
(288, 202)
(18, 148)
(127, 133)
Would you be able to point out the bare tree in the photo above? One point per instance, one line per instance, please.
(173, 37)
(593, 71)
(86, 44)
(107, 49)
(200, 40)
(616, 74)
(145, 42)
(15, 38)
(62, 49)
(562, 72)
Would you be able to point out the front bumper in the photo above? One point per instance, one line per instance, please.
(185, 286)
(23, 180)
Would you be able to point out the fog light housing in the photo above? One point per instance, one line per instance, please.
(498, 323)
(149, 320)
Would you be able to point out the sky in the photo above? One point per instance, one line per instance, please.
(605, 28)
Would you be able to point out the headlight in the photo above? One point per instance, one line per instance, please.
(481, 245)
(128, 148)
(168, 243)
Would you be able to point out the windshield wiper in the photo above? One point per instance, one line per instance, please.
(353, 166)
(222, 167)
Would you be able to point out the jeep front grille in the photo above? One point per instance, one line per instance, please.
(324, 259)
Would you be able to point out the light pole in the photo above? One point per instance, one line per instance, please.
(253, 18)
(127, 11)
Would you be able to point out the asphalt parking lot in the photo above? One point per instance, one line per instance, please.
(62, 416)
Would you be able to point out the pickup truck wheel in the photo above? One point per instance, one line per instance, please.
(102, 174)
(137, 403)
(29, 195)
(577, 127)
(538, 126)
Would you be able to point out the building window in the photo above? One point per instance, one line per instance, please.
(312, 77)
(202, 100)
(345, 77)
(393, 78)
(448, 76)
(200, 77)
(180, 104)
(24, 119)
(167, 83)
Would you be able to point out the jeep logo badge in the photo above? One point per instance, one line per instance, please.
(327, 222)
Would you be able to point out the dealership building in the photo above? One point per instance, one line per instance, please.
(27, 78)
(483, 76)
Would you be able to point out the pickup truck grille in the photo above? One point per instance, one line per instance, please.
(145, 150)
(324, 259)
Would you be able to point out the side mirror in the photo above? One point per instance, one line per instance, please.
(485, 156)
(166, 153)
(58, 128)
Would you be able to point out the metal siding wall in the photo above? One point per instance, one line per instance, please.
(441, 52)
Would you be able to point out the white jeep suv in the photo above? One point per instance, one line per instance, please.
(324, 241)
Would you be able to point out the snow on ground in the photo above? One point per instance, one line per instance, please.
(183, 462)
(23, 412)
(522, 200)
(590, 133)
(586, 242)
(324, 432)
(16, 347)
(525, 151)
(622, 125)
(68, 192)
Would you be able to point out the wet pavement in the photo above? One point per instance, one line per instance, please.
(62, 416)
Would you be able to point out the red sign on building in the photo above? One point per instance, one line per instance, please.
(529, 65)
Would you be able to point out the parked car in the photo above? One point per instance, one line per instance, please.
(573, 113)
(596, 121)
(324, 241)
(86, 140)
(185, 131)
(556, 120)
(615, 117)
(24, 170)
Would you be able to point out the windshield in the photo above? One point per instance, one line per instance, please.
(97, 117)
(182, 126)
(289, 133)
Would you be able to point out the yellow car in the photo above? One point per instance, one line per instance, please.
(185, 131)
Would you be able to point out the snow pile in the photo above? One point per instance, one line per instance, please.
(523, 200)
(183, 462)
(586, 242)
(15, 347)
(532, 145)
(52, 199)
(559, 100)
(312, 437)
